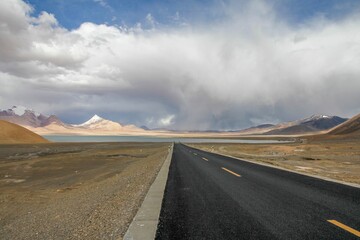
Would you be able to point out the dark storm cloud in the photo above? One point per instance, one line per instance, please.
(249, 69)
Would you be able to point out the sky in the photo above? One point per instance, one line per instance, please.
(184, 65)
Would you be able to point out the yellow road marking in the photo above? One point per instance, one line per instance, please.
(238, 175)
(346, 228)
(205, 159)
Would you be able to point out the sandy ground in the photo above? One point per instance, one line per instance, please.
(14, 134)
(74, 191)
(338, 159)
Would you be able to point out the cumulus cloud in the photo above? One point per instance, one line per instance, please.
(250, 68)
(166, 121)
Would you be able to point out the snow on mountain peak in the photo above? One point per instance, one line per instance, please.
(92, 120)
(321, 116)
(96, 118)
(317, 117)
(19, 110)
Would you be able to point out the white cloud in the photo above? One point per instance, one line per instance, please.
(46, 19)
(166, 121)
(251, 66)
(151, 20)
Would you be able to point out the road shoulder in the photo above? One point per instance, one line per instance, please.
(144, 224)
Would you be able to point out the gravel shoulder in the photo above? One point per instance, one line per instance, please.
(74, 191)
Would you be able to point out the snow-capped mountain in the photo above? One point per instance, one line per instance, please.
(27, 117)
(306, 125)
(43, 124)
(93, 120)
(20, 111)
(96, 121)
(99, 123)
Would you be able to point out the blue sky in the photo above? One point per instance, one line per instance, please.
(128, 12)
(71, 14)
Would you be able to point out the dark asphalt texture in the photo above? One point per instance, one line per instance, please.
(202, 201)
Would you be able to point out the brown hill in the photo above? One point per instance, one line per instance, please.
(12, 133)
(350, 127)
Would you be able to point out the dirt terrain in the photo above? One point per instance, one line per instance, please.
(74, 190)
(335, 158)
(12, 134)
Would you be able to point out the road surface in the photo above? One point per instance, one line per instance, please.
(209, 196)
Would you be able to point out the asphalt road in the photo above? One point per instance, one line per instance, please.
(209, 196)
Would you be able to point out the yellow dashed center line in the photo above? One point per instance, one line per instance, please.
(205, 159)
(229, 171)
(346, 228)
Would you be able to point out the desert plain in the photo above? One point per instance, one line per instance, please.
(93, 190)
(74, 190)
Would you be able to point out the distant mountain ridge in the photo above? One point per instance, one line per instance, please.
(27, 117)
(312, 124)
(43, 124)
(97, 122)
(259, 129)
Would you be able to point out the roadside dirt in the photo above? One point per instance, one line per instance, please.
(74, 191)
(338, 159)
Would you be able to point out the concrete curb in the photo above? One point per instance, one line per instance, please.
(144, 224)
(285, 169)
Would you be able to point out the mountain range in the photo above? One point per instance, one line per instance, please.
(44, 125)
(47, 125)
(308, 125)
(26, 117)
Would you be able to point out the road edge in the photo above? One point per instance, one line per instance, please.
(145, 222)
(285, 169)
